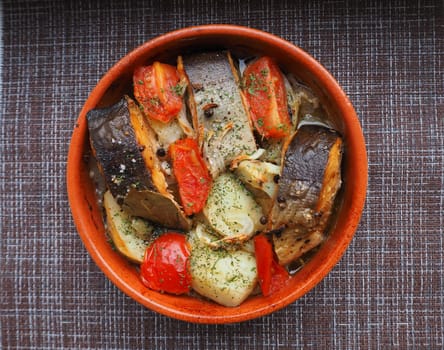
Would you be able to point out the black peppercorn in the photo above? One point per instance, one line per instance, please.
(161, 152)
(281, 199)
(277, 232)
(263, 220)
(276, 178)
(208, 109)
(208, 113)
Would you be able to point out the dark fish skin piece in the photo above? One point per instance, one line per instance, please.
(119, 156)
(307, 188)
(219, 116)
(114, 145)
(302, 177)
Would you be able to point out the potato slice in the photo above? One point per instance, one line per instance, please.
(225, 276)
(130, 235)
(231, 209)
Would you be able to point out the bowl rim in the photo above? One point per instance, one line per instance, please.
(332, 88)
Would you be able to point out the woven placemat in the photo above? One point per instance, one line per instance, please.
(388, 289)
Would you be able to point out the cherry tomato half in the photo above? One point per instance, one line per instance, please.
(165, 266)
(158, 90)
(272, 276)
(192, 174)
(266, 96)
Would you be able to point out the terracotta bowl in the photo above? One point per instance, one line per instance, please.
(87, 215)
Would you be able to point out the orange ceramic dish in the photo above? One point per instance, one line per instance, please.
(82, 193)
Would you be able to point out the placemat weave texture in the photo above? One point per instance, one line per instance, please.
(387, 292)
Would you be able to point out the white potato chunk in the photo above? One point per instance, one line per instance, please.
(231, 209)
(130, 235)
(225, 276)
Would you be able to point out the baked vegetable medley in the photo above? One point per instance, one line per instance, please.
(220, 175)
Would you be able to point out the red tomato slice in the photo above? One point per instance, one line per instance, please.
(192, 174)
(264, 259)
(279, 277)
(272, 276)
(165, 267)
(267, 98)
(158, 90)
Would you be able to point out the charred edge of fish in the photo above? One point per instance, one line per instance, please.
(114, 145)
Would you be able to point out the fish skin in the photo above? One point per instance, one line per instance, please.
(305, 197)
(119, 156)
(224, 131)
(111, 134)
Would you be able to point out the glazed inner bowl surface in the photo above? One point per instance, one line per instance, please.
(241, 41)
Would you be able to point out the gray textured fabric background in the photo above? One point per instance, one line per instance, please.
(388, 289)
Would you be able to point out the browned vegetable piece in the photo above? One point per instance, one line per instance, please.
(260, 178)
(157, 208)
(125, 149)
(310, 180)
